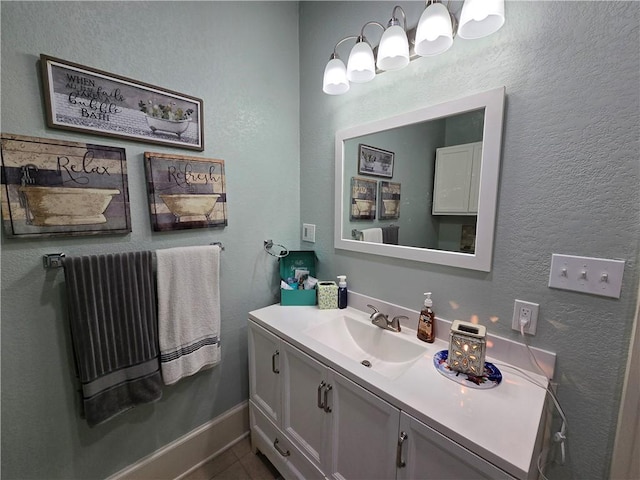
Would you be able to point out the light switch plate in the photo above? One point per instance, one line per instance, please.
(308, 232)
(597, 276)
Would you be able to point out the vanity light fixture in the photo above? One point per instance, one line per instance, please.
(433, 35)
(393, 51)
(335, 80)
(480, 18)
(361, 67)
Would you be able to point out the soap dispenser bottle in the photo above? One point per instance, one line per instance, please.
(342, 291)
(426, 322)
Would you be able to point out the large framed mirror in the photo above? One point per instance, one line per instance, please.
(423, 185)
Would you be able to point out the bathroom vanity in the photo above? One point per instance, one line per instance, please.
(333, 396)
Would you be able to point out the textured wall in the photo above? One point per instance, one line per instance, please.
(569, 183)
(226, 54)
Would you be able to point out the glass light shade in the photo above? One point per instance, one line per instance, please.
(361, 66)
(335, 78)
(434, 34)
(480, 18)
(393, 51)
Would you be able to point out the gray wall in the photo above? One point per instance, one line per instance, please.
(569, 183)
(242, 60)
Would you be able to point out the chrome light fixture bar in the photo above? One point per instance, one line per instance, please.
(433, 35)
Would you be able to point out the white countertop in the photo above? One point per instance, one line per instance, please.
(500, 424)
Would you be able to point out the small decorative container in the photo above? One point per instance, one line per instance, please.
(327, 295)
(296, 260)
(467, 348)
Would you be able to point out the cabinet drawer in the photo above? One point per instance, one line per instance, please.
(280, 451)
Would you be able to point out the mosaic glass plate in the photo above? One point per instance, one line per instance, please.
(491, 378)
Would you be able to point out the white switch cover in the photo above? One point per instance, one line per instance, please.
(597, 276)
(308, 232)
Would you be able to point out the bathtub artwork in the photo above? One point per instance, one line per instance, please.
(185, 192)
(363, 199)
(389, 200)
(59, 188)
(89, 100)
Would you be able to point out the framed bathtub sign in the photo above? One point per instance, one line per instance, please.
(389, 200)
(92, 101)
(54, 188)
(363, 199)
(185, 192)
(375, 161)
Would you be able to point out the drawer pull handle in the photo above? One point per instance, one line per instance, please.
(399, 462)
(326, 406)
(273, 362)
(284, 453)
(320, 387)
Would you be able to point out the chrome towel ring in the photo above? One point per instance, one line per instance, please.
(268, 245)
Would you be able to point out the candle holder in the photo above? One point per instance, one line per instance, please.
(467, 348)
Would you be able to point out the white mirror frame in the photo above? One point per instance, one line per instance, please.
(493, 103)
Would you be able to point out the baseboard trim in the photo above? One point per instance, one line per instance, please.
(185, 454)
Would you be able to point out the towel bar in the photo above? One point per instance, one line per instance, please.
(355, 233)
(56, 260)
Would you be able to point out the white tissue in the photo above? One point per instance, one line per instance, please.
(310, 283)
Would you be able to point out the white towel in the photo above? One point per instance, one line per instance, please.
(372, 235)
(188, 310)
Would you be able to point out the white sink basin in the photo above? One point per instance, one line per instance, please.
(383, 351)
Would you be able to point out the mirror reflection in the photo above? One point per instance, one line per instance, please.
(423, 185)
(417, 183)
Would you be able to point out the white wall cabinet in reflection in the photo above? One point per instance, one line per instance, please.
(457, 179)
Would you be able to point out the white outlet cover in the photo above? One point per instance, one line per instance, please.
(532, 326)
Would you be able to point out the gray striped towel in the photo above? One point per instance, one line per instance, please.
(112, 311)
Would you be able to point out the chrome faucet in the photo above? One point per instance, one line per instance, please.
(381, 320)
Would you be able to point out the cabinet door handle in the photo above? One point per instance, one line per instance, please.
(273, 362)
(320, 387)
(327, 389)
(399, 462)
(284, 453)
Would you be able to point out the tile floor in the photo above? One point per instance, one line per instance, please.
(236, 463)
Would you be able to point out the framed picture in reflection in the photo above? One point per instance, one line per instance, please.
(363, 199)
(375, 161)
(389, 200)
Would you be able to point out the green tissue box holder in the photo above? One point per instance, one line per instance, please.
(327, 295)
(297, 260)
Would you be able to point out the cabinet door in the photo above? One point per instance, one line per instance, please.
(474, 189)
(363, 434)
(264, 371)
(280, 451)
(303, 418)
(455, 174)
(429, 455)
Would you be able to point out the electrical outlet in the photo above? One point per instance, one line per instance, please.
(308, 232)
(527, 312)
